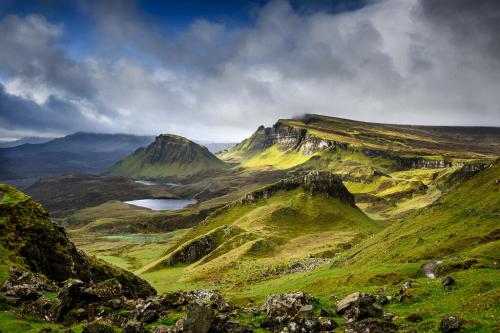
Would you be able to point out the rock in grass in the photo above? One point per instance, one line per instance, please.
(371, 325)
(346, 302)
(414, 318)
(450, 324)
(448, 281)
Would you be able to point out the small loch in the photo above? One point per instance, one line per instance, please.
(162, 204)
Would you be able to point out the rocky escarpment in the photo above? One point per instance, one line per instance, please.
(288, 138)
(43, 246)
(314, 182)
(426, 163)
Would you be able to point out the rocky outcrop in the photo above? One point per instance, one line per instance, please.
(315, 182)
(294, 312)
(199, 247)
(363, 314)
(426, 163)
(288, 138)
(193, 251)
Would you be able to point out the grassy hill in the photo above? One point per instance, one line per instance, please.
(169, 157)
(296, 219)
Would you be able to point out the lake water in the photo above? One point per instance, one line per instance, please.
(151, 183)
(146, 182)
(162, 204)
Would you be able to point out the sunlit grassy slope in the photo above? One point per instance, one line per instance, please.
(463, 223)
(289, 225)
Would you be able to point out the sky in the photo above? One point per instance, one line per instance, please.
(216, 70)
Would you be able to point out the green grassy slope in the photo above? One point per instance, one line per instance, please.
(288, 226)
(170, 156)
(463, 223)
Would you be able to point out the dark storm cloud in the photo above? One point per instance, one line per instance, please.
(475, 23)
(54, 116)
(414, 61)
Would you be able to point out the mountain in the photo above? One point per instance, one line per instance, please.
(22, 141)
(168, 157)
(79, 152)
(294, 141)
(391, 169)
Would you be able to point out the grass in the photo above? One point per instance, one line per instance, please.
(9, 323)
(276, 158)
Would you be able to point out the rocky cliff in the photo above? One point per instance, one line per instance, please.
(43, 246)
(315, 182)
(287, 138)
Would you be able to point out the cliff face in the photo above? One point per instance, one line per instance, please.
(288, 138)
(44, 247)
(315, 182)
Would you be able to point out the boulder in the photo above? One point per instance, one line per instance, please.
(105, 290)
(286, 304)
(149, 316)
(69, 295)
(450, 324)
(199, 319)
(346, 302)
(414, 318)
(133, 326)
(97, 327)
(306, 311)
(371, 325)
(448, 281)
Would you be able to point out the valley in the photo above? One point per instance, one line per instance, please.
(321, 205)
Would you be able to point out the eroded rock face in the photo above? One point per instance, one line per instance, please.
(193, 251)
(288, 138)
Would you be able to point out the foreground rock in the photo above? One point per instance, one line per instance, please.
(294, 312)
(362, 314)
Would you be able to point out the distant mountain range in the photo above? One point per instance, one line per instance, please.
(25, 160)
(22, 141)
(80, 152)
